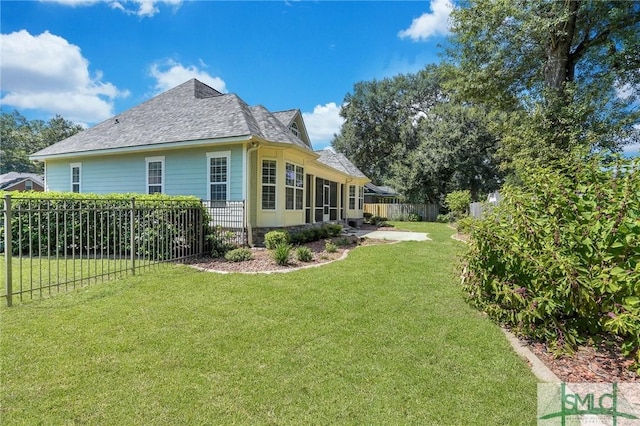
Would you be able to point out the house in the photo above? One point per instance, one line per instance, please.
(194, 140)
(374, 194)
(14, 181)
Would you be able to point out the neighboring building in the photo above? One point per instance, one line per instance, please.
(14, 181)
(374, 194)
(194, 140)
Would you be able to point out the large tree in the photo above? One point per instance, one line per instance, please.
(21, 137)
(561, 74)
(406, 131)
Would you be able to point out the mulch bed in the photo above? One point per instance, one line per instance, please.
(597, 363)
(263, 262)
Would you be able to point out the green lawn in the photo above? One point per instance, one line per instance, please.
(383, 337)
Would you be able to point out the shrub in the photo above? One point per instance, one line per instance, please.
(414, 217)
(443, 218)
(557, 259)
(275, 238)
(458, 202)
(61, 223)
(220, 242)
(239, 255)
(333, 229)
(464, 224)
(367, 216)
(345, 241)
(330, 247)
(378, 221)
(281, 254)
(304, 254)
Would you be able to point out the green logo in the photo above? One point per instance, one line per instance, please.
(595, 403)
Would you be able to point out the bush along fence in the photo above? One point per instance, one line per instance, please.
(54, 242)
(404, 212)
(559, 258)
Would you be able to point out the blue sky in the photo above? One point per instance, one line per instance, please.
(88, 60)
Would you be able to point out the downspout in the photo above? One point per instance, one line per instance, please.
(247, 201)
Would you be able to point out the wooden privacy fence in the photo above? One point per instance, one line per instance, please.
(428, 212)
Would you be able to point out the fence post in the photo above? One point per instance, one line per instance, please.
(8, 249)
(132, 234)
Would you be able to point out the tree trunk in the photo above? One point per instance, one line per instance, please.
(560, 66)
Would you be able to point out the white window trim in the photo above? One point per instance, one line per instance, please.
(219, 154)
(353, 197)
(360, 197)
(159, 159)
(295, 187)
(275, 185)
(28, 185)
(79, 183)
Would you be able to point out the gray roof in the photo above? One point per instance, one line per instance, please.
(380, 190)
(191, 111)
(13, 178)
(286, 117)
(339, 162)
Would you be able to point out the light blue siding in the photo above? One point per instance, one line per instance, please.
(185, 172)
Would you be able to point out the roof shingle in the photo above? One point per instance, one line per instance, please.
(189, 112)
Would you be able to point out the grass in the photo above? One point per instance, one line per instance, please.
(383, 337)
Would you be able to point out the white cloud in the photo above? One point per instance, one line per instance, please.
(430, 24)
(47, 73)
(323, 123)
(141, 8)
(169, 74)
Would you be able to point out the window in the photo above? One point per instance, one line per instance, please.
(294, 187)
(28, 185)
(218, 175)
(356, 192)
(294, 129)
(269, 172)
(352, 197)
(155, 175)
(76, 174)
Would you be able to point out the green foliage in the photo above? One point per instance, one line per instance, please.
(240, 254)
(275, 238)
(281, 254)
(315, 234)
(21, 137)
(220, 242)
(304, 254)
(559, 258)
(330, 247)
(464, 224)
(414, 217)
(444, 218)
(333, 229)
(407, 131)
(458, 202)
(59, 223)
(556, 76)
(378, 221)
(345, 241)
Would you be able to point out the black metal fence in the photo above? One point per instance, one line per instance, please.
(53, 245)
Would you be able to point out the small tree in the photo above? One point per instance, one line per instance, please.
(458, 202)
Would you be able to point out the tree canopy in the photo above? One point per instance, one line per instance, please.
(407, 132)
(559, 75)
(21, 137)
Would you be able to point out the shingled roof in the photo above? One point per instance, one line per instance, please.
(191, 111)
(339, 162)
